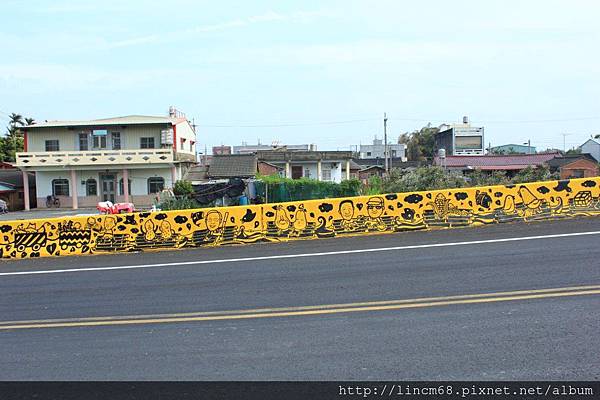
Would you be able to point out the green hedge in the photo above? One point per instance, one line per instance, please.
(275, 189)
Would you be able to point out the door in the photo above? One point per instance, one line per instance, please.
(296, 172)
(108, 187)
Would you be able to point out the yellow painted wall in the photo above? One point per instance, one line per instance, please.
(311, 219)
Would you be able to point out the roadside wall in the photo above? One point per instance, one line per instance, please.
(311, 219)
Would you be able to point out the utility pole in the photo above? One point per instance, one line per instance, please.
(565, 141)
(385, 144)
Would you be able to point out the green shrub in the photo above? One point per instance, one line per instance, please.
(183, 188)
(181, 203)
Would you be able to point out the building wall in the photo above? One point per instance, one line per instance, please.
(184, 131)
(69, 139)
(266, 169)
(592, 148)
(302, 220)
(139, 185)
(514, 148)
(589, 169)
(377, 150)
(336, 170)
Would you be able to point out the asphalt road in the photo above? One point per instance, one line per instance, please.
(355, 312)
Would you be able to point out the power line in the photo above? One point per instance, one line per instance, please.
(281, 125)
(352, 121)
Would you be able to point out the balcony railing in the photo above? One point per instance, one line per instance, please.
(84, 158)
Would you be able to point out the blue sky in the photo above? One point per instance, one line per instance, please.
(310, 71)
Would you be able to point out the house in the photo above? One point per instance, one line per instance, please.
(197, 174)
(12, 190)
(253, 148)
(509, 163)
(377, 150)
(460, 139)
(354, 168)
(83, 162)
(513, 149)
(221, 150)
(320, 165)
(574, 166)
(266, 168)
(5, 165)
(591, 146)
(233, 166)
(368, 172)
(394, 163)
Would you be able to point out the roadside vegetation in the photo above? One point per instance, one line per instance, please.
(432, 178)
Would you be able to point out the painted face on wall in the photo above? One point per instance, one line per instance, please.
(213, 220)
(375, 207)
(347, 209)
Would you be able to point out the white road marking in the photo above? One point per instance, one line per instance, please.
(283, 256)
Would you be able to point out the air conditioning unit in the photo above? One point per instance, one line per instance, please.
(166, 136)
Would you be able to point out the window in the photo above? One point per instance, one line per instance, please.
(368, 154)
(155, 185)
(116, 140)
(91, 187)
(99, 142)
(182, 143)
(60, 187)
(83, 142)
(468, 142)
(147, 143)
(191, 147)
(326, 174)
(121, 190)
(578, 173)
(306, 173)
(52, 145)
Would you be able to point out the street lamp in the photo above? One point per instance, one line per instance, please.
(528, 143)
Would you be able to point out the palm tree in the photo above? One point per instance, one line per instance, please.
(15, 119)
(29, 121)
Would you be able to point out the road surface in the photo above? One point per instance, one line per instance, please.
(502, 302)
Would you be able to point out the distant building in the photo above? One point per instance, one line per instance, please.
(377, 149)
(253, 148)
(221, 150)
(460, 139)
(508, 163)
(233, 166)
(574, 166)
(513, 149)
(319, 165)
(394, 163)
(592, 146)
(12, 189)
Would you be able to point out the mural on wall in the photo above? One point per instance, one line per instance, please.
(309, 219)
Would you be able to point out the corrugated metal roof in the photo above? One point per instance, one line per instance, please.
(125, 120)
(498, 161)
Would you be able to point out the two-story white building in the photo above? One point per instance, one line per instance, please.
(122, 159)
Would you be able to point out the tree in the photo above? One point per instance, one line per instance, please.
(13, 141)
(423, 178)
(183, 189)
(29, 121)
(534, 174)
(15, 119)
(420, 144)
